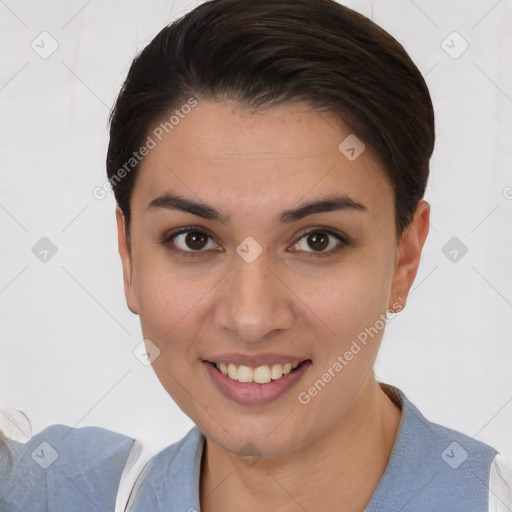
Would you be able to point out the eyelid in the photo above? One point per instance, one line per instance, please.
(344, 239)
(166, 239)
(340, 236)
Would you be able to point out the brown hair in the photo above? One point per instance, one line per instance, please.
(264, 53)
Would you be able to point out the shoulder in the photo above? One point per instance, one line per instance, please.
(61, 465)
(171, 476)
(436, 466)
(454, 448)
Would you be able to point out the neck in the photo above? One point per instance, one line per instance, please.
(343, 467)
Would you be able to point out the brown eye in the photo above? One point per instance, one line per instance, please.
(320, 242)
(196, 240)
(189, 242)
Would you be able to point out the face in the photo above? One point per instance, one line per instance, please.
(257, 242)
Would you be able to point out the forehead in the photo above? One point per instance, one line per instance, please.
(225, 155)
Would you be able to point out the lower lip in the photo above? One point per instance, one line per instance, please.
(252, 392)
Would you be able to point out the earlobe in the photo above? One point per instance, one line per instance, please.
(408, 255)
(127, 262)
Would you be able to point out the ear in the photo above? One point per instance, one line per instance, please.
(408, 255)
(126, 259)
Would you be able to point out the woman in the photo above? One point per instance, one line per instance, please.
(269, 161)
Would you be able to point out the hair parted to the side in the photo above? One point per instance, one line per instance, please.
(266, 53)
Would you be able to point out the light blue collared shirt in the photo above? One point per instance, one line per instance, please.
(64, 469)
(431, 468)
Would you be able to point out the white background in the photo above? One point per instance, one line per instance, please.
(66, 334)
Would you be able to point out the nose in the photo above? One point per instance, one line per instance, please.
(255, 300)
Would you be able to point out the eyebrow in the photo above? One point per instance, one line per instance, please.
(331, 203)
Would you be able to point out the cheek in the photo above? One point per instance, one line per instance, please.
(347, 296)
(352, 307)
(166, 292)
(170, 308)
(167, 299)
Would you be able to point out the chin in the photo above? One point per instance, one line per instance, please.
(257, 440)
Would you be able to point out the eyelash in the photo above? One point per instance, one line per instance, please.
(168, 237)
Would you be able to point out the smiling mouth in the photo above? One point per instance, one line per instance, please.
(256, 375)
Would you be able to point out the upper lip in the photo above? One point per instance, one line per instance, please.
(254, 360)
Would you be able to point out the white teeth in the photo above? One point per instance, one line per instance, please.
(244, 374)
(232, 371)
(276, 371)
(261, 374)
